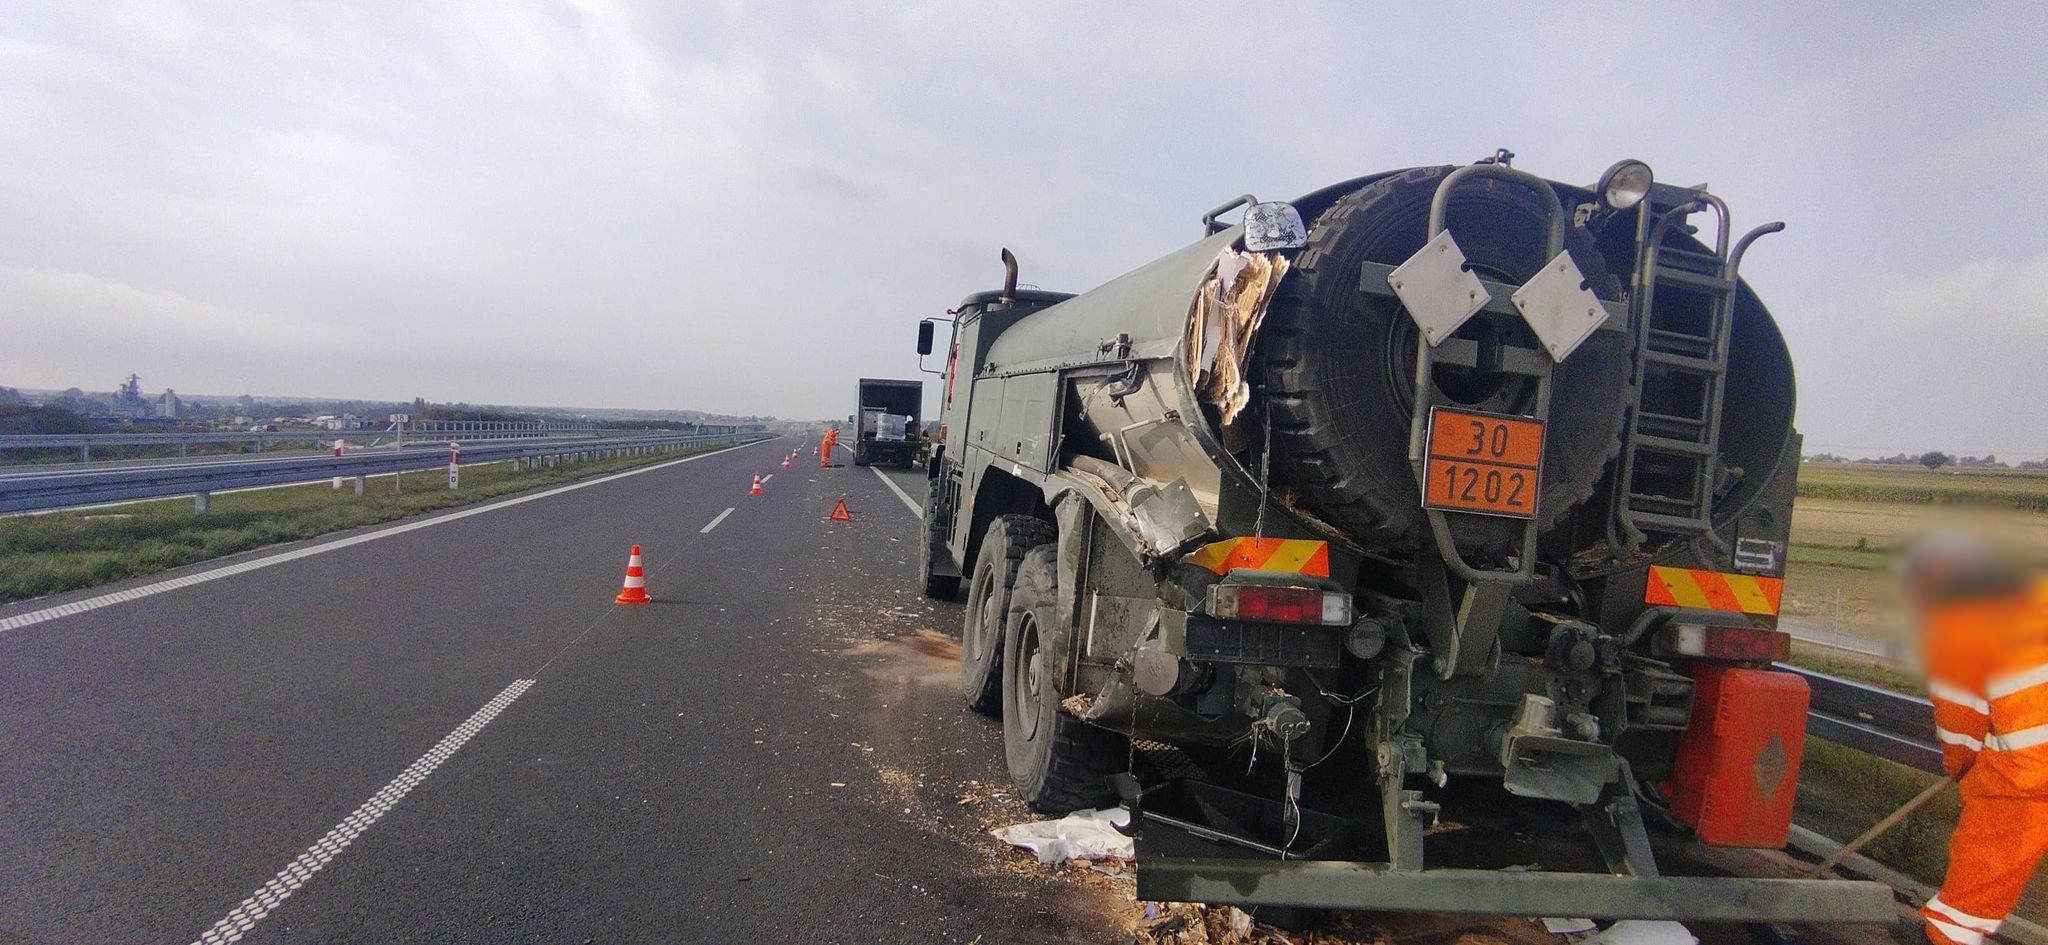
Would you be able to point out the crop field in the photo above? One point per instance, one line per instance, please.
(2015, 489)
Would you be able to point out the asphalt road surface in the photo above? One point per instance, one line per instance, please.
(451, 734)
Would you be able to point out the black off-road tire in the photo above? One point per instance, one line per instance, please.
(988, 606)
(1057, 762)
(1339, 365)
(936, 586)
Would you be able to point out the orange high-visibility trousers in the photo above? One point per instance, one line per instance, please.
(1997, 843)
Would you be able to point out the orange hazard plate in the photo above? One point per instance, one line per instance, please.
(1482, 462)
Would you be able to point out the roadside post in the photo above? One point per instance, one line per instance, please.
(337, 455)
(454, 464)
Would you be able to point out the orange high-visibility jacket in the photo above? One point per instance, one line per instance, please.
(1987, 673)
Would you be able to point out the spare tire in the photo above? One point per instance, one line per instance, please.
(1339, 365)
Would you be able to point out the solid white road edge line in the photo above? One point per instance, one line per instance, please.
(33, 617)
(720, 517)
(295, 874)
(915, 509)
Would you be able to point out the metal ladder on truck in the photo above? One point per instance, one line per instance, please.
(1682, 310)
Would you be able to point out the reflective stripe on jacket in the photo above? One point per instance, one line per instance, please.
(1987, 669)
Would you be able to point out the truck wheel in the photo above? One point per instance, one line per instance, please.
(860, 456)
(988, 602)
(1058, 763)
(1340, 365)
(936, 586)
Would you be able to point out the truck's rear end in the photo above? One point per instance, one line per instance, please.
(886, 424)
(1485, 476)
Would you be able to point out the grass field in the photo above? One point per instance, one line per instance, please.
(48, 554)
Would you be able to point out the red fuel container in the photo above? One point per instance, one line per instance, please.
(1738, 766)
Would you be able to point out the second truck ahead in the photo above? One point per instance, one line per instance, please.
(1486, 475)
(886, 426)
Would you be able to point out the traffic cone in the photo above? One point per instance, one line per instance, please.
(757, 485)
(840, 514)
(785, 463)
(635, 591)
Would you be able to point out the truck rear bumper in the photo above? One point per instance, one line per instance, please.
(1320, 884)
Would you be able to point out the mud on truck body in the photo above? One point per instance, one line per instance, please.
(1489, 474)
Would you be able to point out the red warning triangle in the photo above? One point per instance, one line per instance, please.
(840, 514)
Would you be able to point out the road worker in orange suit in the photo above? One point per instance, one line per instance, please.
(1985, 623)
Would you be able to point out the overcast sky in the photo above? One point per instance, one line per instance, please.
(743, 206)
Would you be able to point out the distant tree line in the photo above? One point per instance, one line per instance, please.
(1932, 459)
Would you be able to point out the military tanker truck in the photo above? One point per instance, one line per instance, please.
(1487, 474)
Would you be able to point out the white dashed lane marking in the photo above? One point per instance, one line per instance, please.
(915, 509)
(764, 479)
(297, 872)
(706, 530)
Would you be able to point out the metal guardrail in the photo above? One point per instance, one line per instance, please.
(69, 486)
(85, 443)
(1890, 725)
(424, 430)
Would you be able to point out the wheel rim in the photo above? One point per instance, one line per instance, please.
(1031, 676)
(976, 644)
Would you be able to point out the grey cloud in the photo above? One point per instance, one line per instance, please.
(739, 206)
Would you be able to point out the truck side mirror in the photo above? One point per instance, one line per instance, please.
(1273, 225)
(924, 338)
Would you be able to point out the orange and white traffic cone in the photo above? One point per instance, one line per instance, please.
(785, 463)
(635, 591)
(757, 485)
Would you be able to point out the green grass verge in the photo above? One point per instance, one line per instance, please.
(49, 554)
(1862, 559)
(1842, 792)
(1883, 677)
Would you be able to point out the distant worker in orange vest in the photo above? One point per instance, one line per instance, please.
(825, 448)
(1985, 645)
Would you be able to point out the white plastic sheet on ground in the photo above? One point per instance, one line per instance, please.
(1641, 932)
(1085, 835)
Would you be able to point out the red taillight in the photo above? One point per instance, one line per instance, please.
(1734, 644)
(1273, 604)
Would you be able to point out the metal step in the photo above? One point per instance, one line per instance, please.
(1677, 428)
(1661, 444)
(1711, 283)
(1670, 523)
(1674, 257)
(1706, 366)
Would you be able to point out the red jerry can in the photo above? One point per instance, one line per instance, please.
(1738, 765)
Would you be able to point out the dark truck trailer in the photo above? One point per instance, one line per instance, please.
(886, 425)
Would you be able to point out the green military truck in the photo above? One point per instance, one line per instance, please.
(1482, 476)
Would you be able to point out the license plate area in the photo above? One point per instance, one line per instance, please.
(1484, 463)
